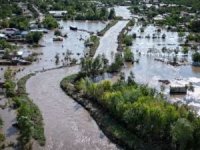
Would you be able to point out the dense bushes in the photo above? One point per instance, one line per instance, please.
(196, 57)
(127, 40)
(29, 117)
(5, 45)
(9, 84)
(117, 64)
(34, 37)
(92, 67)
(92, 43)
(193, 37)
(195, 26)
(50, 22)
(128, 55)
(145, 113)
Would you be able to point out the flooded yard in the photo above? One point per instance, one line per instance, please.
(149, 71)
(73, 43)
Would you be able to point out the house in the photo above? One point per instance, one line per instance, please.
(146, 1)
(58, 14)
(158, 18)
(9, 31)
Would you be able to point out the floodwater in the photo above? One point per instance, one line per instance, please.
(73, 43)
(108, 43)
(8, 115)
(67, 124)
(148, 71)
(123, 11)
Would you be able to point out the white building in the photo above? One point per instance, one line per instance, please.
(58, 13)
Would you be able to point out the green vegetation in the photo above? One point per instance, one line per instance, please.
(111, 127)
(21, 23)
(29, 117)
(194, 37)
(195, 26)
(50, 22)
(9, 84)
(196, 57)
(93, 43)
(127, 40)
(195, 4)
(5, 45)
(128, 55)
(7, 9)
(117, 64)
(34, 37)
(108, 26)
(92, 67)
(145, 113)
(185, 50)
(2, 137)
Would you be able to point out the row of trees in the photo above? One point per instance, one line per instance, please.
(19, 22)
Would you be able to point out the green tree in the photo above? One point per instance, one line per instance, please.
(112, 14)
(34, 37)
(182, 133)
(50, 22)
(128, 55)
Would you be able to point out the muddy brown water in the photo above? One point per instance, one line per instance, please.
(67, 124)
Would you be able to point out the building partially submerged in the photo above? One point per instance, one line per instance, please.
(58, 14)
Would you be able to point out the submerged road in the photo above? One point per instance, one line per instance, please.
(108, 43)
(68, 126)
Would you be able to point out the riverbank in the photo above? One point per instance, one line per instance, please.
(114, 129)
(29, 117)
(72, 127)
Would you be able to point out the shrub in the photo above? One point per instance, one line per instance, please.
(34, 37)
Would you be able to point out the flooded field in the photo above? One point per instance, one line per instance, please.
(67, 124)
(148, 71)
(73, 43)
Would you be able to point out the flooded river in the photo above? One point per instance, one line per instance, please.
(67, 124)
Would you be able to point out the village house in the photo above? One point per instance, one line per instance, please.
(58, 14)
